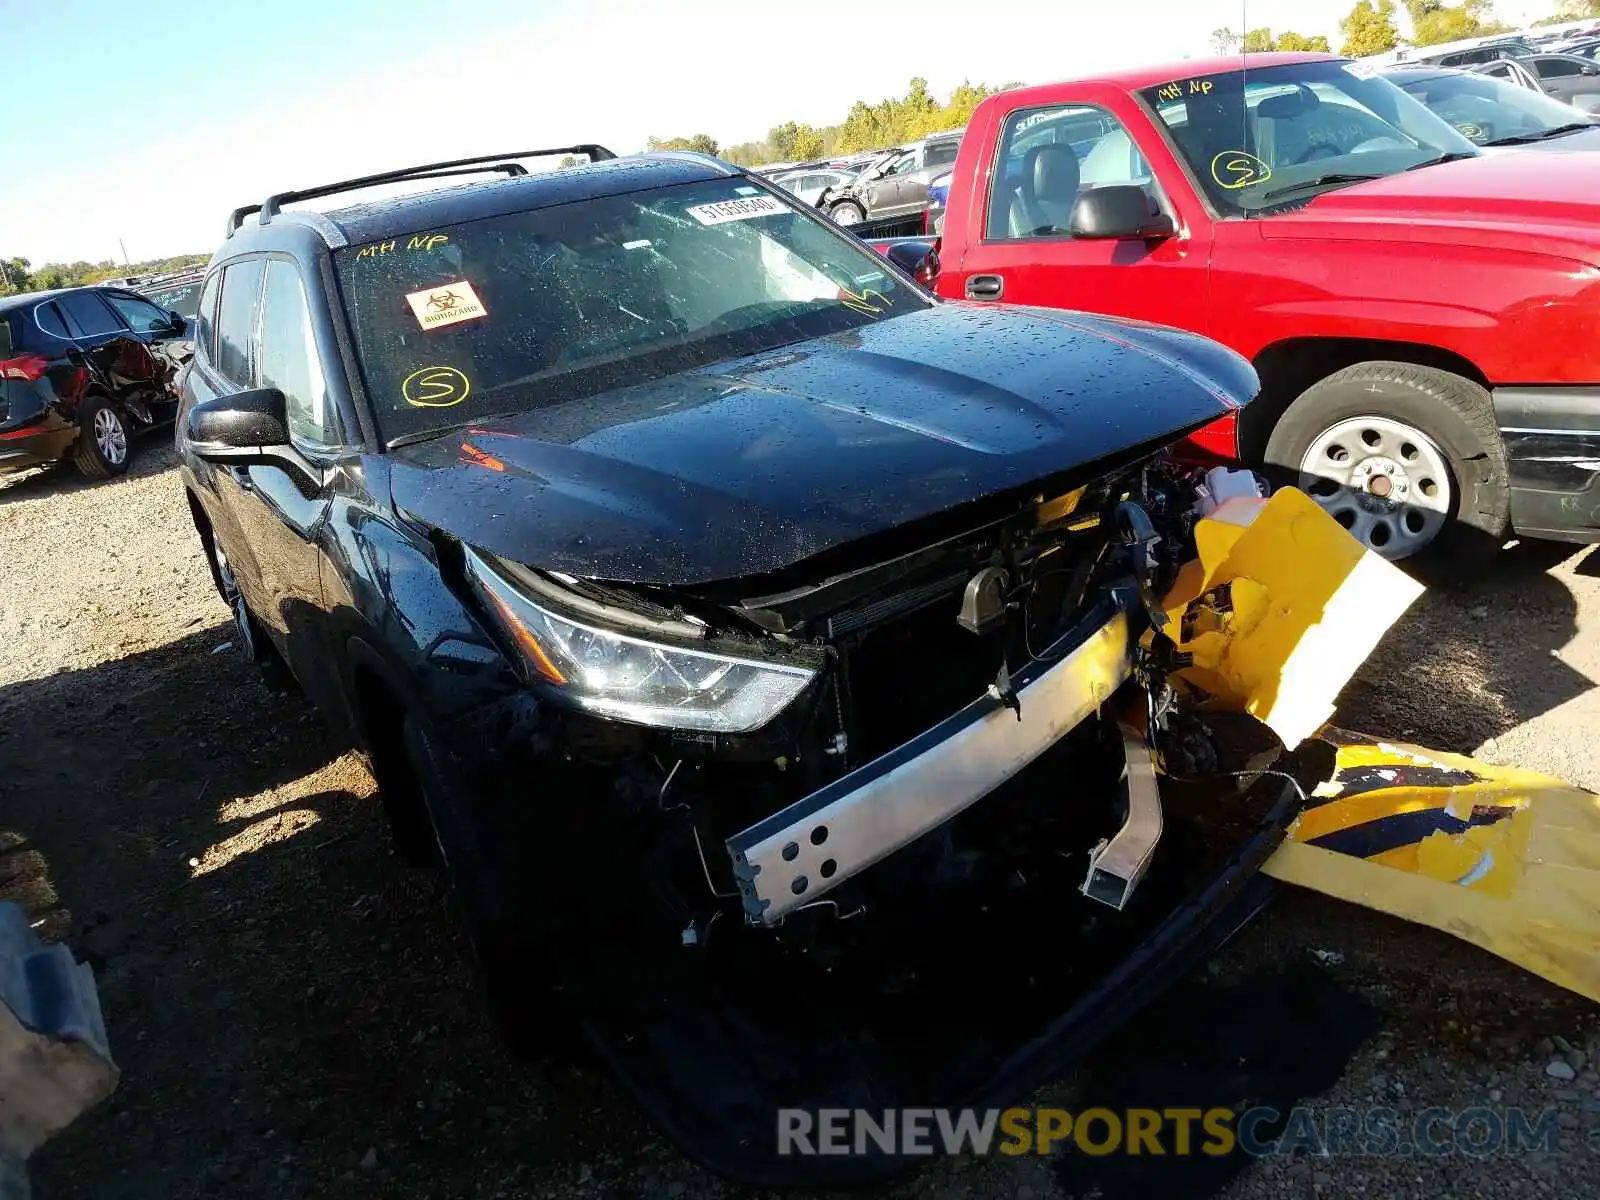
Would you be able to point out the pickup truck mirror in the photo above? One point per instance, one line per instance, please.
(236, 426)
(1119, 210)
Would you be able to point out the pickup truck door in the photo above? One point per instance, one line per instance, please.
(1017, 248)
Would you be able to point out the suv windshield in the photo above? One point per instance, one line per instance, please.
(1279, 135)
(515, 312)
(1488, 111)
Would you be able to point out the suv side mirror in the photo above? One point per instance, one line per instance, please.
(1119, 210)
(917, 257)
(179, 324)
(233, 426)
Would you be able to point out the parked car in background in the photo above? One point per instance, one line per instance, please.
(1469, 52)
(895, 186)
(178, 291)
(938, 197)
(1568, 77)
(808, 184)
(82, 371)
(1489, 111)
(1425, 317)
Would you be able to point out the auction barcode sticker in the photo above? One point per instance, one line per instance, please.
(737, 210)
(446, 304)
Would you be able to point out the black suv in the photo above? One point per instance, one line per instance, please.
(727, 614)
(81, 372)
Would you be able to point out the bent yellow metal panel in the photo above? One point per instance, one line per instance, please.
(1506, 859)
(1305, 605)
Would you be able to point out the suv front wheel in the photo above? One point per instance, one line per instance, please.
(102, 449)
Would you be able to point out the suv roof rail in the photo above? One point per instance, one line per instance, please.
(478, 164)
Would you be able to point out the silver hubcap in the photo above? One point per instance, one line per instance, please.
(111, 437)
(845, 216)
(1383, 480)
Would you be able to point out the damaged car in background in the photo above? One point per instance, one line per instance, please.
(779, 661)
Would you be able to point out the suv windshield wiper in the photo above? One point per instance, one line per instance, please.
(1320, 181)
(1522, 139)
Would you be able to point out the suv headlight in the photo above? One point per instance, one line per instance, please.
(632, 679)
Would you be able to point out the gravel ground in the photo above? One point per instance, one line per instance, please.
(293, 1010)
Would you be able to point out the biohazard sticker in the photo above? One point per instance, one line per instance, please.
(743, 209)
(447, 304)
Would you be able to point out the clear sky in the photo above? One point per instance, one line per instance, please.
(150, 123)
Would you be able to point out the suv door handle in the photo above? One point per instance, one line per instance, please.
(985, 287)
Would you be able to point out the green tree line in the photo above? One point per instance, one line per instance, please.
(1371, 27)
(889, 122)
(19, 275)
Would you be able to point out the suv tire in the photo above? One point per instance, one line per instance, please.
(1364, 439)
(101, 451)
(513, 964)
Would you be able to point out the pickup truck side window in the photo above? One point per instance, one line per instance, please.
(1048, 157)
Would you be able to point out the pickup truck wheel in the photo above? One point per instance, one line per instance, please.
(1407, 458)
(102, 449)
(848, 212)
(510, 958)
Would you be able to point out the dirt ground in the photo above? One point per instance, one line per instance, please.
(293, 1009)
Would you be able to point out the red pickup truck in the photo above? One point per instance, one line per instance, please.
(1425, 319)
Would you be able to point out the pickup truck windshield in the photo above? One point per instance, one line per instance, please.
(1258, 139)
(508, 313)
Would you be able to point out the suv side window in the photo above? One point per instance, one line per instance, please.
(141, 315)
(286, 354)
(1048, 156)
(49, 320)
(942, 153)
(241, 283)
(206, 319)
(86, 315)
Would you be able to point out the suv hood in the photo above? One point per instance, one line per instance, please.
(754, 464)
(1495, 200)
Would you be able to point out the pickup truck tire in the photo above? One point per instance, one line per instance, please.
(103, 439)
(848, 212)
(1371, 442)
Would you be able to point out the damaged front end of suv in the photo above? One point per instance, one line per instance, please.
(827, 695)
(912, 819)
